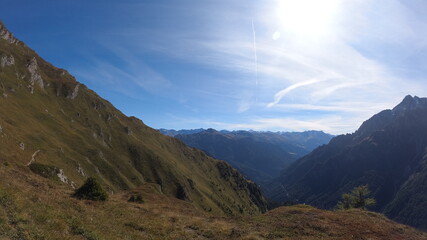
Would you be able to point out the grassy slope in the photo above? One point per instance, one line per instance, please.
(32, 207)
(89, 133)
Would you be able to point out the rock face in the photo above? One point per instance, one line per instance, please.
(7, 61)
(6, 35)
(388, 152)
(76, 129)
(73, 95)
(35, 77)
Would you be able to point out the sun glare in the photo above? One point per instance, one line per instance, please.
(307, 17)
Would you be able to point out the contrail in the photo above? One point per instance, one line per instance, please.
(255, 52)
(285, 91)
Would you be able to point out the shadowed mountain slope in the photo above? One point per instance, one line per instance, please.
(259, 155)
(388, 152)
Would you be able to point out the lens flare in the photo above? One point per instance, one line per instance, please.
(307, 17)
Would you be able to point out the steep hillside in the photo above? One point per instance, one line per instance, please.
(259, 155)
(388, 152)
(32, 207)
(48, 118)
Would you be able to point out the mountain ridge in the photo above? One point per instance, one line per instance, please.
(48, 117)
(260, 155)
(388, 152)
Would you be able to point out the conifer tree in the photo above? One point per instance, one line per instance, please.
(357, 198)
(91, 190)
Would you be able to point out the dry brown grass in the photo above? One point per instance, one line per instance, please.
(36, 208)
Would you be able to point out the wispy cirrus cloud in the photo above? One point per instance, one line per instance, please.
(232, 66)
(278, 96)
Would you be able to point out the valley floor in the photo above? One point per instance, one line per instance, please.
(32, 207)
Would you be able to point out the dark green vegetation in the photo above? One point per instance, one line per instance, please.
(259, 155)
(388, 152)
(91, 190)
(64, 131)
(136, 198)
(47, 171)
(357, 198)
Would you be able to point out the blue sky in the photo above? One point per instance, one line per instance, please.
(274, 65)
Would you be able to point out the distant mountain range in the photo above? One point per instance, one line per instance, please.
(173, 133)
(388, 152)
(259, 155)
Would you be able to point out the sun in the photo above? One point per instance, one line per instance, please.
(307, 17)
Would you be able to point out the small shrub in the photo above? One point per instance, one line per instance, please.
(193, 227)
(91, 190)
(135, 226)
(136, 199)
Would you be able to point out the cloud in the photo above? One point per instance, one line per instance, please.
(278, 96)
(346, 107)
(340, 78)
(123, 72)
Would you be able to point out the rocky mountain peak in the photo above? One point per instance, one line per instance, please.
(381, 120)
(6, 35)
(410, 103)
(211, 130)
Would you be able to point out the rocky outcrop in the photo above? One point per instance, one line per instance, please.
(68, 90)
(6, 35)
(409, 103)
(80, 170)
(35, 77)
(182, 193)
(62, 176)
(6, 61)
(73, 95)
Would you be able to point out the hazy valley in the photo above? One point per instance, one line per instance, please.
(261, 156)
